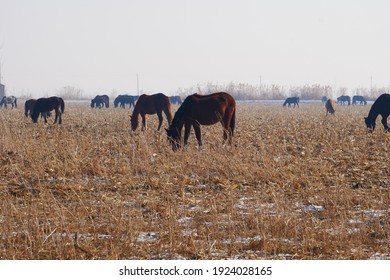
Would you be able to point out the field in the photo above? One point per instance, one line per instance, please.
(295, 184)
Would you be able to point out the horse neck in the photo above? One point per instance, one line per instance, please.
(372, 114)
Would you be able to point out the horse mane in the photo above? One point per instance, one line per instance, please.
(181, 112)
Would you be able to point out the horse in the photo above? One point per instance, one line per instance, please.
(198, 110)
(291, 100)
(151, 104)
(330, 106)
(122, 100)
(9, 100)
(359, 98)
(324, 99)
(344, 99)
(176, 99)
(100, 101)
(29, 106)
(381, 107)
(44, 105)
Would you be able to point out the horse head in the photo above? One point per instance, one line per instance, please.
(134, 122)
(174, 138)
(370, 125)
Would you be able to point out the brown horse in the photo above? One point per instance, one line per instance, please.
(330, 106)
(199, 110)
(381, 107)
(151, 104)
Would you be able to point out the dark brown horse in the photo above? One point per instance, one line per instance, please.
(43, 105)
(151, 104)
(198, 110)
(381, 107)
(330, 106)
(28, 107)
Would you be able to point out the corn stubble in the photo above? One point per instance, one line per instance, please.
(295, 185)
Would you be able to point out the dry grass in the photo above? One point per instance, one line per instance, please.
(295, 185)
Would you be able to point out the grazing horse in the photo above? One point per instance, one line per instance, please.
(330, 106)
(122, 100)
(291, 100)
(198, 110)
(100, 101)
(344, 99)
(151, 104)
(176, 99)
(9, 100)
(29, 106)
(44, 105)
(381, 107)
(359, 98)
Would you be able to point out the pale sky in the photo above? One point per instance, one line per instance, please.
(100, 45)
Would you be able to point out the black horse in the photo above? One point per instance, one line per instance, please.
(358, 98)
(124, 99)
(9, 100)
(176, 99)
(29, 106)
(291, 100)
(44, 105)
(344, 99)
(100, 101)
(381, 107)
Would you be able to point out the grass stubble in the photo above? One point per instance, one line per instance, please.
(295, 185)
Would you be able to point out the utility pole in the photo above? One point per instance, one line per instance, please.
(137, 84)
(260, 85)
(371, 86)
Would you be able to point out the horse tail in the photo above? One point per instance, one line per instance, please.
(62, 104)
(233, 122)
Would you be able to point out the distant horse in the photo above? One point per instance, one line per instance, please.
(330, 106)
(9, 100)
(151, 104)
(324, 99)
(176, 99)
(198, 110)
(291, 100)
(344, 99)
(43, 105)
(359, 98)
(381, 107)
(122, 100)
(100, 101)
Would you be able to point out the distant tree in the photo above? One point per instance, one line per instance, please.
(70, 92)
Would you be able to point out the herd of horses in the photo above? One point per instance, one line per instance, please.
(196, 110)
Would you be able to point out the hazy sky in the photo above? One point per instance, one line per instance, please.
(101, 45)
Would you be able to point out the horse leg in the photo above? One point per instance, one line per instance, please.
(198, 134)
(187, 131)
(160, 120)
(384, 122)
(57, 112)
(143, 122)
(59, 117)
